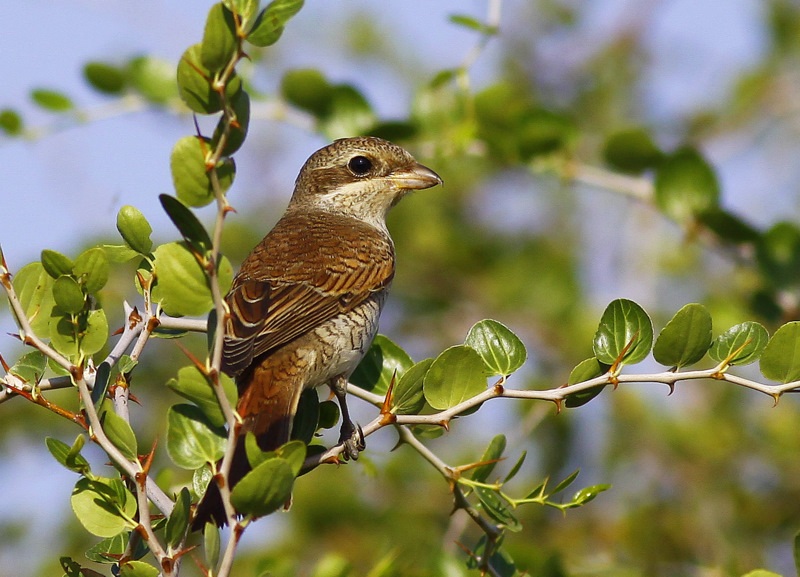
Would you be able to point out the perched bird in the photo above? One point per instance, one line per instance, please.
(304, 306)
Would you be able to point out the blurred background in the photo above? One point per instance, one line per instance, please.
(705, 482)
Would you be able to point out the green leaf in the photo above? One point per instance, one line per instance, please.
(778, 254)
(51, 100)
(192, 441)
(64, 336)
(183, 287)
(104, 506)
(741, 344)
(69, 457)
(780, 360)
(138, 569)
(68, 294)
(91, 269)
(492, 453)
(472, 24)
(308, 90)
(121, 434)
(200, 480)
(190, 177)
(178, 520)
(383, 359)
(306, 420)
(515, 469)
(105, 77)
(186, 222)
(211, 544)
(456, 375)
(408, 397)
(30, 367)
(95, 336)
(239, 124)
(728, 226)
(584, 371)
(247, 10)
(195, 83)
(264, 489)
(686, 185)
(498, 508)
(120, 253)
(192, 385)
(153, 78)
(34, 288)
(108, 550)
(328, 415)
(632, 150)
(686, 337)
(135, 229)
(500, 349)
(55, 263)
(10, 122)
(588, 494)
(220, 42)
(762, 573)
(625, 333)
(294, 453)
(269, 25)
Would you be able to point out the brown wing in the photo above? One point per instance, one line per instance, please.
(308, 269)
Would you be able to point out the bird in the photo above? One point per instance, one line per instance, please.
(304, 306)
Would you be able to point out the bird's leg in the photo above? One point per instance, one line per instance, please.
(350, 434)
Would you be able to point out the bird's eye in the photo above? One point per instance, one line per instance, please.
(359, 165)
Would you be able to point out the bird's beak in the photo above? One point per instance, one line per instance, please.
(417, 177)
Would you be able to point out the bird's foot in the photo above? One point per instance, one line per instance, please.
(352, 439)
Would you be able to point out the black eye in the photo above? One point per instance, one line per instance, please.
(359, 165)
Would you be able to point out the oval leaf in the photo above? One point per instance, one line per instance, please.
(270, 23)
(264, 489)
(686, 338)
(94, 338)
(780, 360)
(56, 263)
(456, 375)
(68, 294)
(34, 288)
(192, 385)
(184, 219)
(584, 371)
(686, 185)
(500, 349)
(103, 506)
(134, 229)
(625, 334)
(191, 440)
(408, 397)
(121, 434)
(190, 176)
(220, 42)
(91, 269)
(104, 77)
(383, 359)
(740, 345)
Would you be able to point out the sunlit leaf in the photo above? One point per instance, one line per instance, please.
(178, 521)
(780, 360)
(55, 263)
(34, 288)
(686, 337)
(190, 176)
(192, 441)
(408, 396)
(456, 375)
(220, 43)
(92, 269)
(269, 25)
(383, 359)
(501, 350)
(192, 385)
(104, 507)
(625, 333)
(134, 229)
(741, 344)
(264, 489)
(121, 434)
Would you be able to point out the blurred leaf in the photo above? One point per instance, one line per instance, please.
(778, 253)
(120, 434)
(780, 360)
(264, 489)
(134, 229)
(728, 226)
(182, 287)
(68, 294)
(745, 342)
(686, 185)
(34, 288)
(584, 371)
(192, 441)
(138, 569)
(190, 176)
(456, 375)
(55, 263)
(501, 350)
(632, 150)
(30, 367)
(192, 385)
(186, 222)
(408, 397)
(178, 520)
(625, 332)
(492, 453)
(383, 359)
(154, 79)
(588, 494)
(220, 42)
(351, 114)
(686, 337)
(104, 77)
(308, 90)
(10, 122)
(762, 573)
(91, 269)
(51, 100)
(247, 10)
(472, 24)
(103, 506)
(269, 25)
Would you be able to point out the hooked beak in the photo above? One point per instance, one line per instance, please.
(418, 177)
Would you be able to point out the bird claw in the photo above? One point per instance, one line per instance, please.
(352, 439)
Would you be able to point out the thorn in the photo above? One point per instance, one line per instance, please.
(671, 389)
(6, 368)
(462, 468)
(118, 332)
(776, 397)
(386, 407)
(195, 361)
(134, 318)
(559, 405)
(445, 424)
(148, 458)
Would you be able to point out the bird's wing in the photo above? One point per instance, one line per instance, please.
(308, 270)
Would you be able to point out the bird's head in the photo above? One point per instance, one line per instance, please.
(361, 177)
